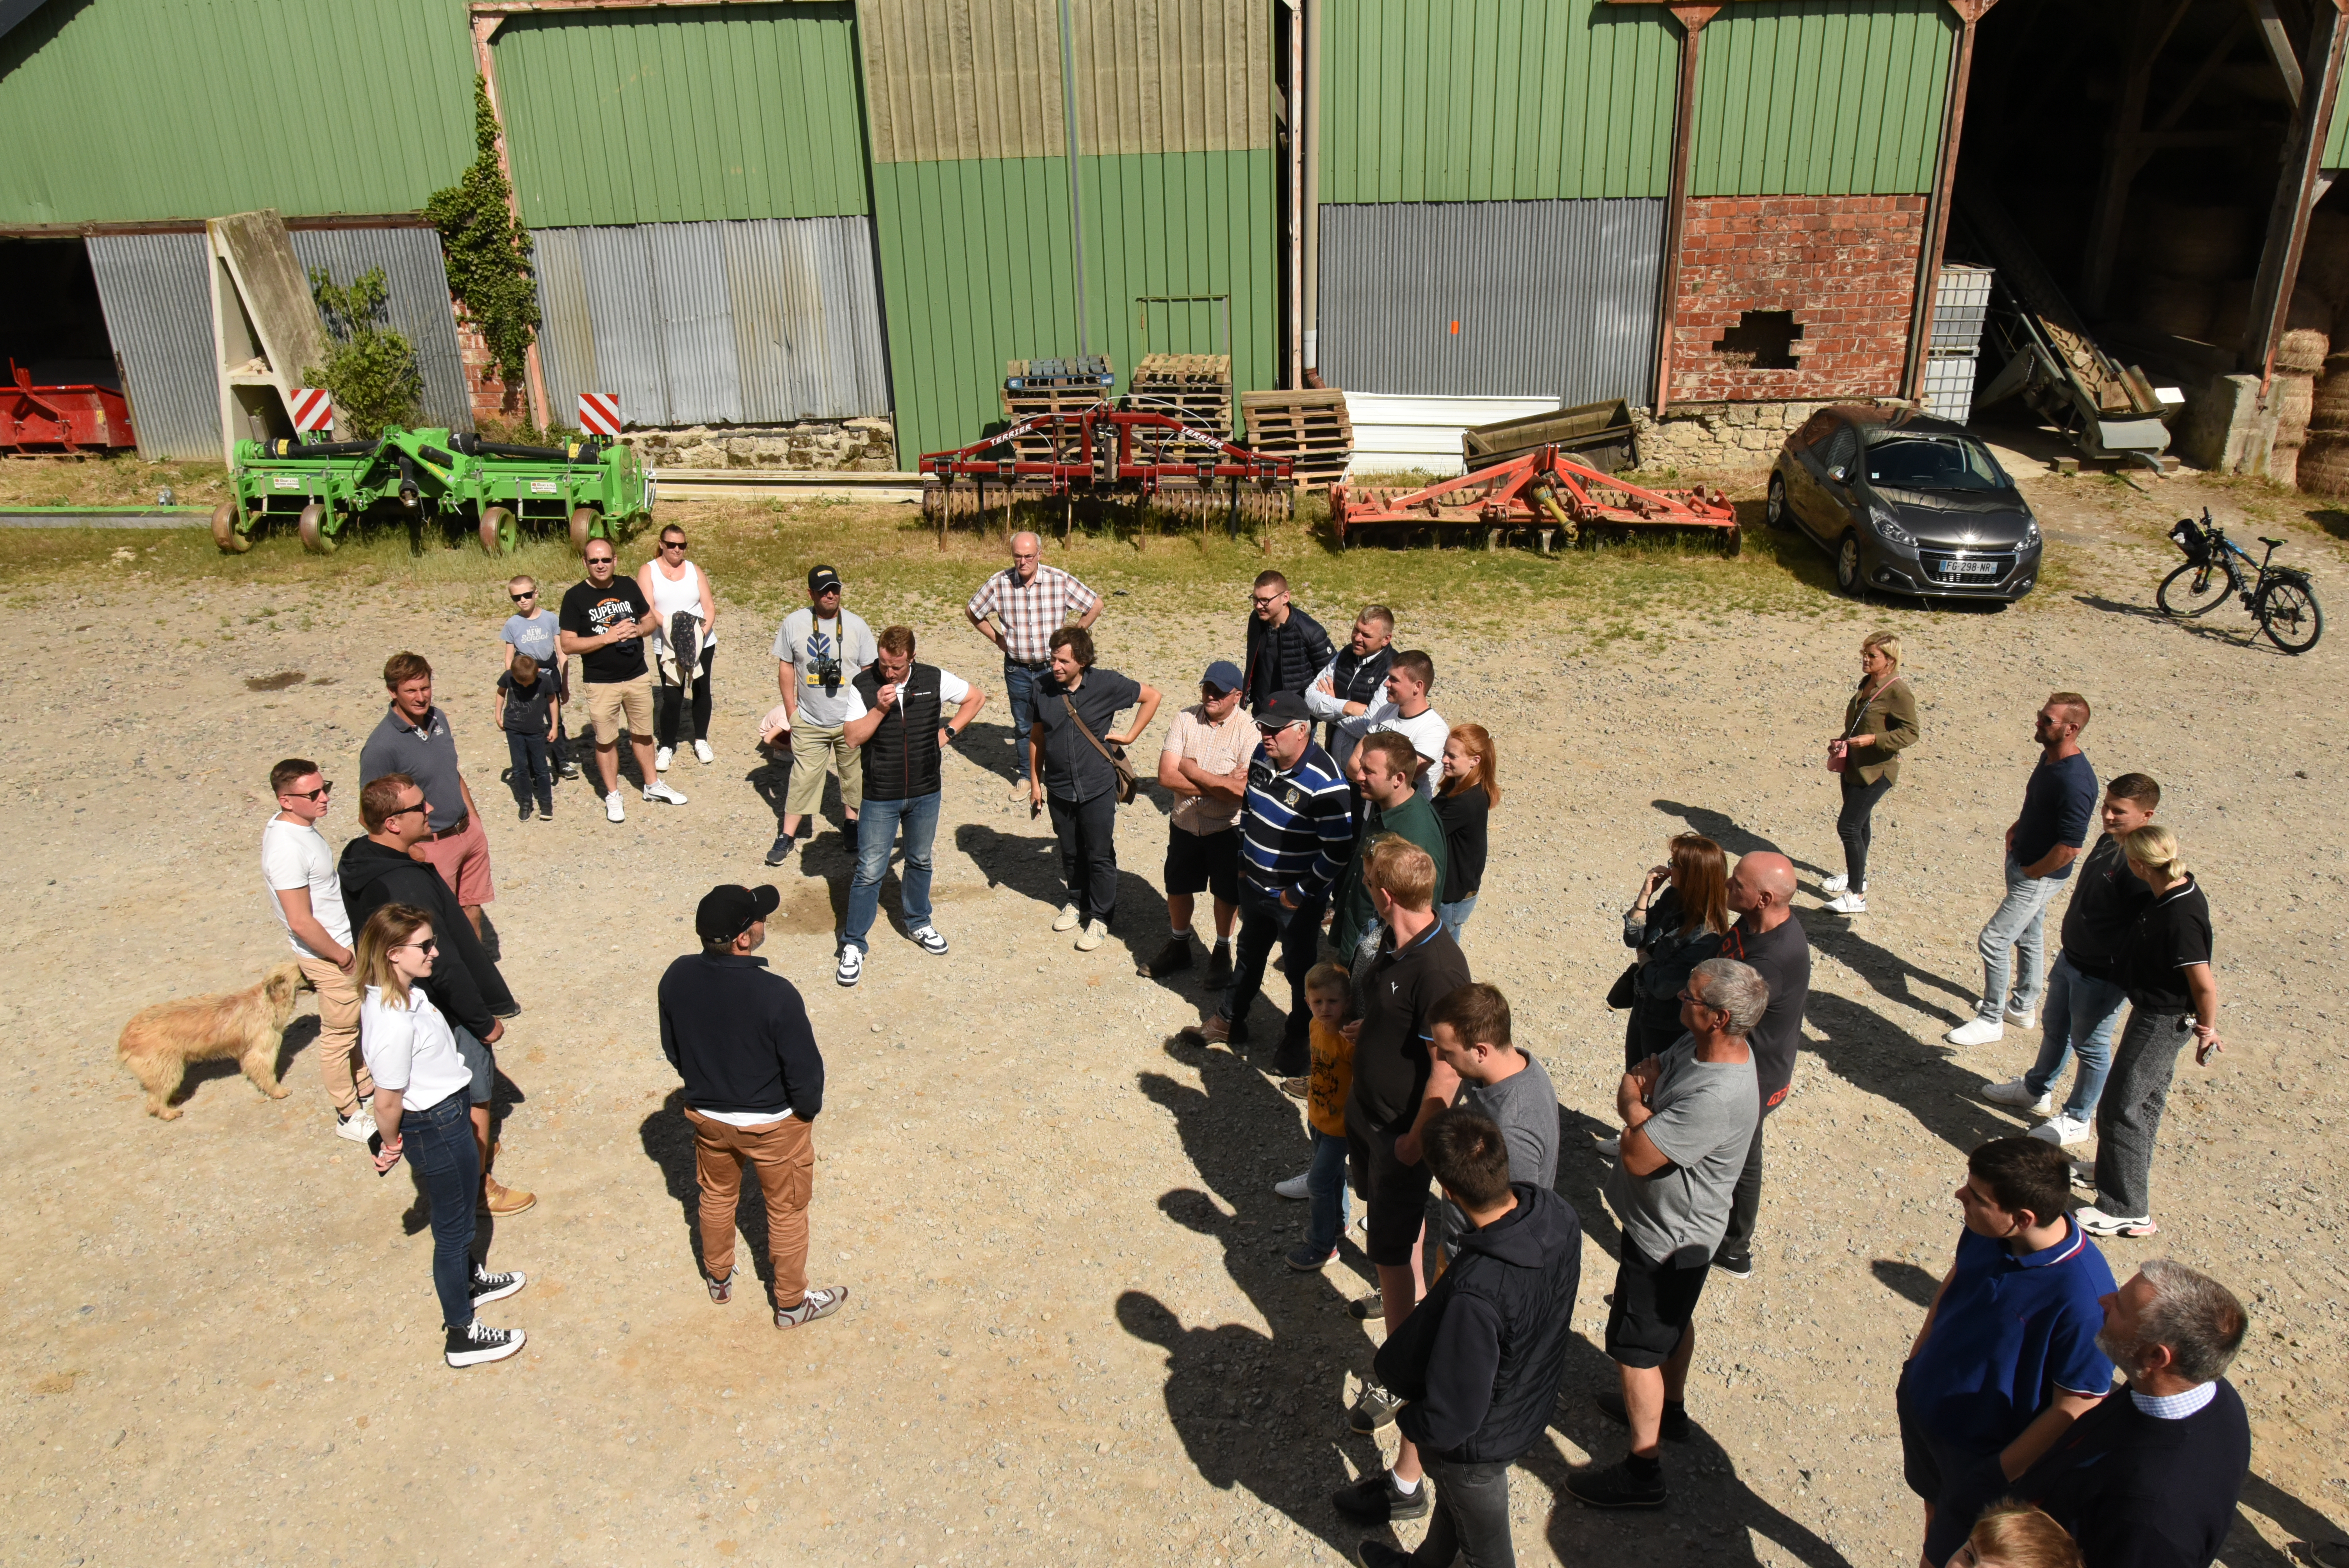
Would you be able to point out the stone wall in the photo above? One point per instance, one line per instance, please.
(1716, 437)
(866, 444)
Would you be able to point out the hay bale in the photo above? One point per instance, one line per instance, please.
(2180, 306)
(2329, 408)
(2283, 466)
(2293, 397)
(2307, 333)
(2322, 466)
(2202, 243)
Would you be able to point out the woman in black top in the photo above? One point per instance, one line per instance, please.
(2173, 997)
(1471, 789)
(1676, 922)
(1075, 776)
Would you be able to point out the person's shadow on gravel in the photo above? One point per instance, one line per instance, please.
(1261, 1411)
(668, 1140)
(2307, 1525)
(1881, 1059)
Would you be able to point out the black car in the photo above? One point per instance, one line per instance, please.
(1905, 503)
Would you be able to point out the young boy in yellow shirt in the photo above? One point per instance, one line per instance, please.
(1328, 995)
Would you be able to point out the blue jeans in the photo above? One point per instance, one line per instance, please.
(876, 835)
(533, 772)
(2079, 1016)
(1456, 915)
(1325, 1188)
(439, 1143)
(2018, 926)
(1019, 685)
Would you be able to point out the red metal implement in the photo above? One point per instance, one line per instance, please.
(1084, 456)
(61, 419)
(1541, 489)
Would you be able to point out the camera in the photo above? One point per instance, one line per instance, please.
(827, 672)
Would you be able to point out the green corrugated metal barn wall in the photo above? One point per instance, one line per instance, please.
(969, 144)
(135, 111)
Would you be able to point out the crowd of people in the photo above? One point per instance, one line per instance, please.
(1329, 811)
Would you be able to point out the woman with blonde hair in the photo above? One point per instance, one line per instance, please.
(2012, 1534)
(1470, 791)
(2173, 997)
(1676, 921)
(1878, 723)
(420, 1113)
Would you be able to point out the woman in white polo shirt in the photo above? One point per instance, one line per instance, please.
(421, 1112)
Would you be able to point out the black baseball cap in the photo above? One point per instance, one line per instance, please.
(820, 578)
(729, 909)
(1284, 708)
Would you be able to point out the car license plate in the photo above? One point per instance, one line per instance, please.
(1969, 568)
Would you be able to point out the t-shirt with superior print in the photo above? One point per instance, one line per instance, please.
(591, 611)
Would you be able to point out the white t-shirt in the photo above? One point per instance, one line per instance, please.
(409, 1049)
(295, 855)
(952, 690)
(1427, 734)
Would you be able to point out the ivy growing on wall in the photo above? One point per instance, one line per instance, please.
(487, 251)
(370, 369)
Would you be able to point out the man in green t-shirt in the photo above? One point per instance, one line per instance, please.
(1390, 764)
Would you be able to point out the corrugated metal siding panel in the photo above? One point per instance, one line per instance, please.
(1822, 98)
(952, 80)
(735, 323)
(681, 116)
(1172, 76)
(143, 109)
(417, 301)
(1554, 299)
(159, 315)
(1472, 100)
(976, 268)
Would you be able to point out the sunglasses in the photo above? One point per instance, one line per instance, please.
(426, 948)
(599, 561)
(404, 811)
(672, 544)
(1269, 730)
(518, 598)
(325, 788)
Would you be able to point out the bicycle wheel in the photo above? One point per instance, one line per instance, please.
(2194, 590)
(2288, 615)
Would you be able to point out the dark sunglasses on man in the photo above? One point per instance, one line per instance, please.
(325, 787)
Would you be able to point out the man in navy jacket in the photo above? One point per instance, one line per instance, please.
(739, 1036)
(1479, 1360)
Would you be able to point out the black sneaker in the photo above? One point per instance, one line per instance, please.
(1375, 1408)
(1675, 1426)
(1171, 959)
(1617, 1486)
(1376, 1498)
(525, 812)
(1736, 1266)
(779, 850)
(1219, 966)
(488, 1286)
(546, 811)
(476, 1341)
(1375, 1553)
(1361, 1309)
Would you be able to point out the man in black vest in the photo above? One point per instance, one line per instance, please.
(1478, 1363)
(1354, 681)
(895, 718)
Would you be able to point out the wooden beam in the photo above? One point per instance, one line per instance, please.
(486, 20)
(2272, 34)
(2185, 98)
(2125, 154)
(1691, 19)
(2296, 191)
(1936, 209)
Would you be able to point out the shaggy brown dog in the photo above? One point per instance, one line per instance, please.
(160, 1042)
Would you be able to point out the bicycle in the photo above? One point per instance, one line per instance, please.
(2281, 599)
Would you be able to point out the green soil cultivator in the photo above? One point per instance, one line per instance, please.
(415, 475)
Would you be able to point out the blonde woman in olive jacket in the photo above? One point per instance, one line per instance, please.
(1879, 724)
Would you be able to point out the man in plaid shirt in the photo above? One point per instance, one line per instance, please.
(1030, 601)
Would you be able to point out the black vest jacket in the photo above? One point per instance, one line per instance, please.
(901, 760)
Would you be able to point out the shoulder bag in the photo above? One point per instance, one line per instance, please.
(1115, 754)
(1837, 764)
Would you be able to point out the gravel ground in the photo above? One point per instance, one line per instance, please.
(1072, 1337)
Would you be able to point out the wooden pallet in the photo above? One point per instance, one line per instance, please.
(1309, 426)
(1060, 394)
(1195, 389)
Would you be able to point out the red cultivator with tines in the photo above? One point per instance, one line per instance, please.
(1104, 454)
(1542, 491)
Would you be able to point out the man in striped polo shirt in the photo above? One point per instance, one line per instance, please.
(1297, 832)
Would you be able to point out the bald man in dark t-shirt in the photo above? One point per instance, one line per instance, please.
(1769, 937)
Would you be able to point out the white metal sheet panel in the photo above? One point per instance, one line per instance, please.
(694, 313)
(416, 286)
(1392, 434)
(158, 317)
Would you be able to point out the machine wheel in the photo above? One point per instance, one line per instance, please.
(585, 522)
(224, 533)
(1846, 565)
(501, 535)
(2194, 590)
(1774, 510)
(312, 525)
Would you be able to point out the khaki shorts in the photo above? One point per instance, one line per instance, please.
(815, 749)
(608, 700)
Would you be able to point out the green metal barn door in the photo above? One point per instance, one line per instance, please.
(968, 105)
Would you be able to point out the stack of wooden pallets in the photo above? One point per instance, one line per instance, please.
(1195, 389)
(1034, 387)
(1308, 425)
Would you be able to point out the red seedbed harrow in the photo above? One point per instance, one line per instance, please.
(1542, 492)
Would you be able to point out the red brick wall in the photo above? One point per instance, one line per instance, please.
(1845, 265)
(492, 399)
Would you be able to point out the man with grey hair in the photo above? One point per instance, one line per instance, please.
(2154, 1478)
(1031, 601)
(1688, 1117)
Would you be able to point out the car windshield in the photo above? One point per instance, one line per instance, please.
(1908, 459)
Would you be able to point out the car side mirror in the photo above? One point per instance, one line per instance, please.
(1840, 474)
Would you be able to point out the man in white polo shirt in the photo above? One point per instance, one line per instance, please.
(307, 890)
(1404, 710)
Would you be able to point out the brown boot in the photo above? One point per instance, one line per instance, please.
(498, 1199)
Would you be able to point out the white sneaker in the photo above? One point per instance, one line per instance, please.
(661, 791)
(612, 808)
(1294, 1187)
(1976, 1032)
(2096, 1222)
(1610, 1147)
(2063, 1131)
(1067, 920)
(2023, 1020)
(1848, 903)
(2017, 1093)
(1836, 883)
(930, 941)
(2084, 1175)
(852, 967)
(358, 1126)
(701, 749)
(1092, 936)
(661, 759)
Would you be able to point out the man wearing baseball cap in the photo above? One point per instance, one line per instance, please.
(818, 652)
(739, 1036)
(1206, 764)
(1297, 832)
